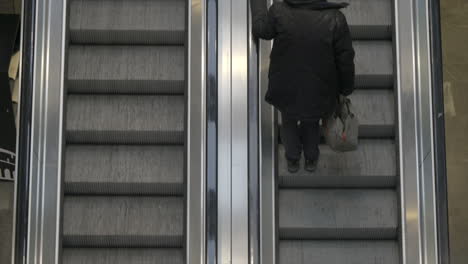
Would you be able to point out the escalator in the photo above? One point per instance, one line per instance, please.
(348, 210)
(124, 184)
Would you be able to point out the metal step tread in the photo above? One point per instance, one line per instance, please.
(375, 110)
(124, 169)
(374, 64)
(355, 169)
(125, 119)
(337, 214)
(339, 252)
(122, 256)
(123, 221)
(126, 69)
(369, 19)
(128, 21)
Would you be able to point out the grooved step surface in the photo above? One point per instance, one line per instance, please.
(375, 110)
(124, 169)
(123, 256)
(359, 168)
(369, 19)
(126, 69)
(123, 221)
(337, 214)
(128, 21)
(374, 64)
(125, 119)
(338, 252)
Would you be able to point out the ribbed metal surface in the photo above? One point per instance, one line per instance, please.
(125, 221)
(374, 64)
(124, 169)
(337, 214)
(123, 256)
(125, 119)
(369, 19)
(126, 69)
(349, 169)
(338, 252)
(127, 22)
(124, 162)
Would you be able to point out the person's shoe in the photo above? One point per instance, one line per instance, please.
(311, 165)
(293, 166)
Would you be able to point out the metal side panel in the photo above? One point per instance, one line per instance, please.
(414, 89)
(195, 143)
(46, 139)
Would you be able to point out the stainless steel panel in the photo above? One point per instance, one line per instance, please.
(419, 241)
(239, 140)
(268, 250)
(196, 120)
(46, 143)
(224, 132)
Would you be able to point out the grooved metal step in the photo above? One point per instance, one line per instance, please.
(122, 256)
(337, 214)
(374, 64)
(124, 169)
(125, 119)
(339, 252)
(369, 19)
(375, 110)
(123, 221)
(343, 170)
(126, 69)
(128, 22)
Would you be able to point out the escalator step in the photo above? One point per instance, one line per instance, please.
(128, 21)
(369, 19)
(349, 169)
(126, 69)
(124, 169)
(339, 252)
(375, 110)
(374, 64)
(122, 119)
(123, 256)
(337, 214)
(120, 221)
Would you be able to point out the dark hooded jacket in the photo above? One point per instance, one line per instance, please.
(312, 59)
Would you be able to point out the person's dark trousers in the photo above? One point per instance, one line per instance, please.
(300, 135)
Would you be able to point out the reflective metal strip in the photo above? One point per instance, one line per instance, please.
(196, 132)
(418, 221)
(47, 138)
(268, 134)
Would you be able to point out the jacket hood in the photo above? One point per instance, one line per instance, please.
(315, 4)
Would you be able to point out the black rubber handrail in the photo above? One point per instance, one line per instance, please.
(24, 132)
(439, 133)
(212, 132)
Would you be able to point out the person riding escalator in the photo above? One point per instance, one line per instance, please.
(312, 62)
